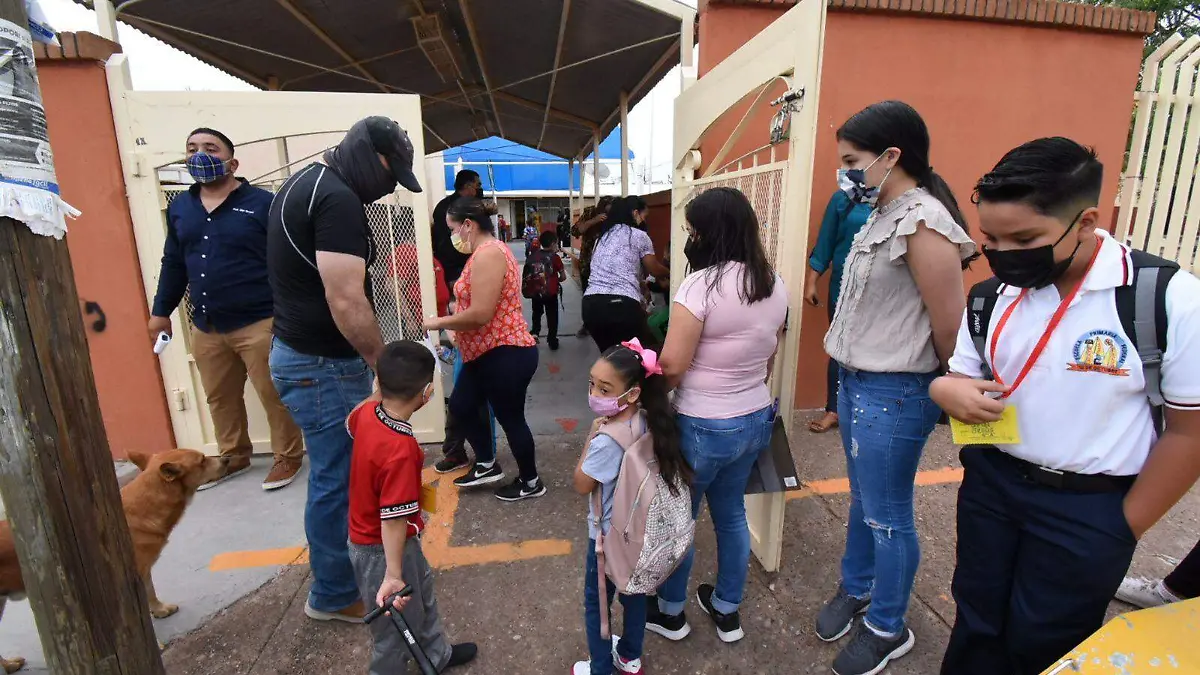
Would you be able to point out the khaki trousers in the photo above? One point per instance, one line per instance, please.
(224, 361)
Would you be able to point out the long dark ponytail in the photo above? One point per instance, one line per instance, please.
(660, 417)
(896, 124)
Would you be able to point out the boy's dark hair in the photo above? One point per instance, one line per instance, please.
(548, 239)
(660, 415)
(1056, 177)
(213, 132)
(404, 369)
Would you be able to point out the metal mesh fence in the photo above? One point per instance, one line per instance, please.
(395, 276)
(763, 186)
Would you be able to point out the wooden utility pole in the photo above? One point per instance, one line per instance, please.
(56, 474)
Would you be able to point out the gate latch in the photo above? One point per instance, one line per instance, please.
(781, 123)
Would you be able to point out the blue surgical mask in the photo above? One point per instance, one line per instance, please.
(206, 168)
(859, 192)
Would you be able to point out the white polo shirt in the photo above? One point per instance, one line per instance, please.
(1082, 407)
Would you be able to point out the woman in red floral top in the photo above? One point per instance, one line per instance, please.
(499, 354)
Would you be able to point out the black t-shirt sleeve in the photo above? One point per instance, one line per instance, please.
(339, 224)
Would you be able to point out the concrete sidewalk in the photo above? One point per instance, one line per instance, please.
(510, 576)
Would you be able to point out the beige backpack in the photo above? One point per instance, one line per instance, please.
(651, 528)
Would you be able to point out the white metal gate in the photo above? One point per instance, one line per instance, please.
(1160, 189)
(271, 130)
(785, 58)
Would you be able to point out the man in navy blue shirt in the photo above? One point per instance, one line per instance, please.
(216, 253)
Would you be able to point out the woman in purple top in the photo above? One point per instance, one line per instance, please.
(724, 331)
(623, 256)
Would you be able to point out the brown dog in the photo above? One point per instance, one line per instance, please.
(153, 502)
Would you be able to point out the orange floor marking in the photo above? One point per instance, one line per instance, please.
(440, 528)
(441, 555)
(568, 424)
(835, 486)
(554, 368)
(292, 555)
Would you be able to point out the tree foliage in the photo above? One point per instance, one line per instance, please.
(1174, 16)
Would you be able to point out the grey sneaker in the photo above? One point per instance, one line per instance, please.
(837, 616)
(869, 653)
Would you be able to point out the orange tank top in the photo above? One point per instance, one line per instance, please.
(508, 326)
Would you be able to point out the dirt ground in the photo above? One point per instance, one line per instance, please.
(527, 615)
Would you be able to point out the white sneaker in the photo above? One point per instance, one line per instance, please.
(582, 668)
(633, 667)
(1145, 593)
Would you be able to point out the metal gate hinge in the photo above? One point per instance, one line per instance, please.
(781, 123)
(180, 400)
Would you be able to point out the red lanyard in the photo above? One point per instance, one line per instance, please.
(1050, 327)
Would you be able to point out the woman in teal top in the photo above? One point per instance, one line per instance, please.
(843, 219)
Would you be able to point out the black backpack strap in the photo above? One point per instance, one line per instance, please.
(980, 303)
(1142, 307)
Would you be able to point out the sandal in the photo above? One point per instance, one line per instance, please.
(828, 421)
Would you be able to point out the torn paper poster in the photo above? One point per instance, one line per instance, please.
(39, 27)
(28, 188)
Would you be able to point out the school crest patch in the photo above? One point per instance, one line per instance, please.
(1100, 351)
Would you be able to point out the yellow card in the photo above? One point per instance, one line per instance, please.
(429, 498)
(1002, 432)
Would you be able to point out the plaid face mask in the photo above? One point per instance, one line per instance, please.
(206, 168)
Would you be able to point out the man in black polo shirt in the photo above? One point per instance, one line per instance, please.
(327, 338)
(216, 252)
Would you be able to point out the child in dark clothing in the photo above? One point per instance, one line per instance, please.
(385, 512)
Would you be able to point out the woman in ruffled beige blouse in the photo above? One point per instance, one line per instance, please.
(894, 329)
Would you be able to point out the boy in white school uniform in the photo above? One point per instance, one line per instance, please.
(1047, 523)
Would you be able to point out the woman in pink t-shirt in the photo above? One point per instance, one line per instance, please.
(724, 330)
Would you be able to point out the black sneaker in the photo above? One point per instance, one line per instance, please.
(729, 626)
(553, 342)
(480, 475)
(671, 626)
(869, 653)
(451, 463)
(520, 489)
(462, 654)
(837, 616)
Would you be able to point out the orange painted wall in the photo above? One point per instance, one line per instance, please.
(982, 87)
(104, 255)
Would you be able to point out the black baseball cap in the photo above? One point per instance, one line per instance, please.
(392, 142)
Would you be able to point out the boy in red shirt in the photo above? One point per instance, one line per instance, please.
(545, 256)
(385, 512)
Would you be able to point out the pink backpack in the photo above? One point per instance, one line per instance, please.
(651, 528)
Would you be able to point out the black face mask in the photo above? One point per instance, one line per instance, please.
(698, 254)
(1031, 267)
(355, 160)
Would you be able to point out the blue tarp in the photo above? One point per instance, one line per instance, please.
(500, 153)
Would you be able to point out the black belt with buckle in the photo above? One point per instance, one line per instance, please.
(1066, 480)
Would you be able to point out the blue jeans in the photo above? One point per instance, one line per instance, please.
(320, 392)
(885, 420)
(633, 624)
(721, 454)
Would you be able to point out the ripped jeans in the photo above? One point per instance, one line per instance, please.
(885, 420)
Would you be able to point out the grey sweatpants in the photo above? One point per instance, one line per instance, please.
(389, 654)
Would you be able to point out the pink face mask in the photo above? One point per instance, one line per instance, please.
(607, 406)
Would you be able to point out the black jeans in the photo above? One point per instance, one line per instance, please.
(1184, 580)
(613, 319)
(832, 373)
(547, 304)
(501, 378)
(1036, 569)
